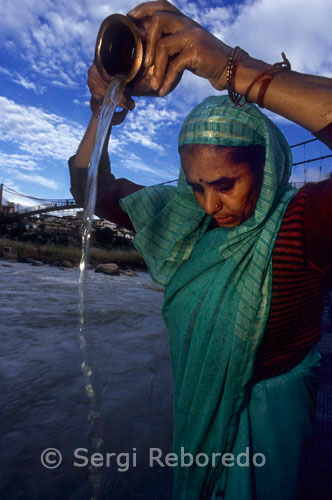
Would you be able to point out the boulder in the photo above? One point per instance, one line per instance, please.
(66, 263)
(56, 263)
(131, 273)
(110, 269)
(34, 262)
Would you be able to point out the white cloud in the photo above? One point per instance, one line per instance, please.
(148, 119)
(37, 179)
(16, 77)
(16, 161)
(22, 168)
(37, 132)
(81, 103)
(139, 166)
(56, 38)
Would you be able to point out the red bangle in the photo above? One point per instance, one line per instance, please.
(269, 74)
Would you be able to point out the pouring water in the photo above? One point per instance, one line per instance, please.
(111, 101)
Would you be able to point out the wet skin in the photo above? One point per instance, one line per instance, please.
(224, 189)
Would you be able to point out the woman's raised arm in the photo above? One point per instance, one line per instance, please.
(176, 42)
(110, 190)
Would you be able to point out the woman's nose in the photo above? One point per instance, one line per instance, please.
(212, 203)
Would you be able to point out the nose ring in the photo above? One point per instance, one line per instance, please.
(217, 206)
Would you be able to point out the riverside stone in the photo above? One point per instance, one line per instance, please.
(66, 263)
(34, 262)
(131, 273)
(110, 269)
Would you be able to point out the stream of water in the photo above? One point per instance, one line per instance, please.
(111, 101)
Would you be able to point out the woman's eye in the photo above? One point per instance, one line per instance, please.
(226, 187)
(198, 189)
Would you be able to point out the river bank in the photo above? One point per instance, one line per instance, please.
(56, 255)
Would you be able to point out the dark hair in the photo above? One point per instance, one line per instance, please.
(254, 155)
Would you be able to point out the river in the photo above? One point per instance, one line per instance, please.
(43, 403)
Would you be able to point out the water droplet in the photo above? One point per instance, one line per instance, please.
(89, 391)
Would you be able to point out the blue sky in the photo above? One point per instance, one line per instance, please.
(48, 45)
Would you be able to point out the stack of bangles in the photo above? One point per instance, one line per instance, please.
(265, 76)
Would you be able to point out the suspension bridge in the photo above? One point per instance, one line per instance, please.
(10, 213)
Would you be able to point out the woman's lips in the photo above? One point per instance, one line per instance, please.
(224, 220)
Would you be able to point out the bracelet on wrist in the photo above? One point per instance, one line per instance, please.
(267, 75)
(232, 64)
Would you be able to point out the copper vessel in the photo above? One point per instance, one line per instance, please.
(120, 50)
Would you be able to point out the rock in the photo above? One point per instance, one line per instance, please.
(6, 265)
(66, 263)
(9, 253)
(34, 262)
(56, 263)
(110, 269)
(131, 273)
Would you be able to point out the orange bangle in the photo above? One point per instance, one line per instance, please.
(269, 74)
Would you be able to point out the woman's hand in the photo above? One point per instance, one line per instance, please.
(175, 43)
(98, 88)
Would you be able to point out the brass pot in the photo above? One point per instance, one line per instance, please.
(120, 50)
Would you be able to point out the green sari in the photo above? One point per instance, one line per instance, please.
(217, 287)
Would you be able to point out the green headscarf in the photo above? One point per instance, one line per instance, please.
(218, 285)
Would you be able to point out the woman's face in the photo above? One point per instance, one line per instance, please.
(224, 189)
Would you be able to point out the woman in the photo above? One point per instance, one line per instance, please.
(244, 260)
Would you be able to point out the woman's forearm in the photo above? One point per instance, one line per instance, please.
(86, 147)
(304, 99)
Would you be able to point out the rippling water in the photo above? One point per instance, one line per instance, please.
(43, 403)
